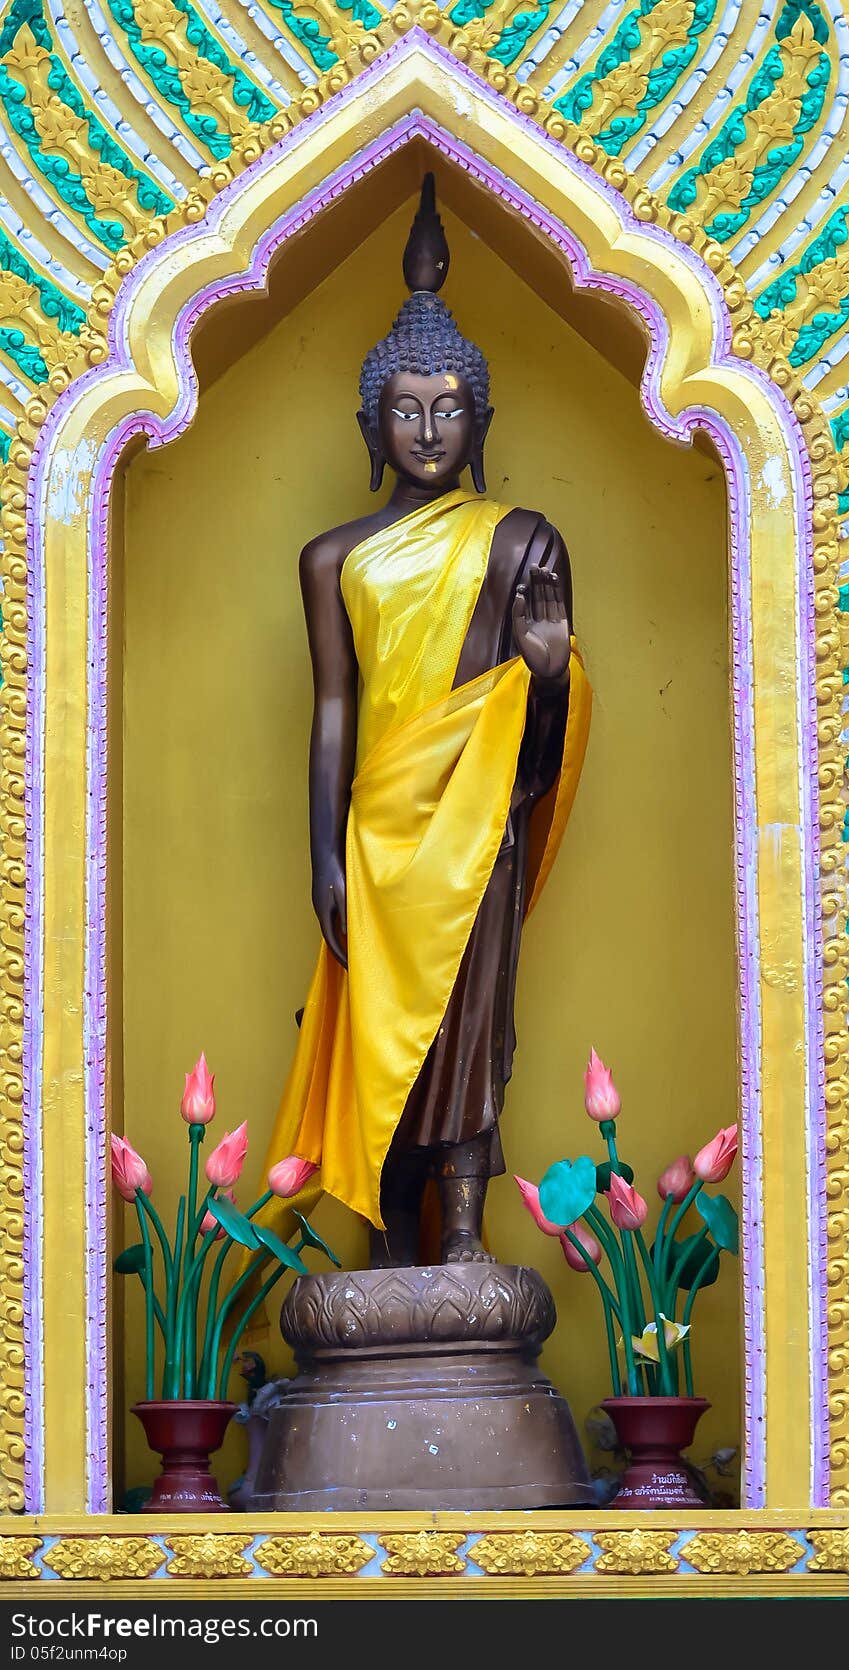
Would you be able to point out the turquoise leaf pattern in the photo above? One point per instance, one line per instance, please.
(307, 32)
(662, 78)
(768, 174)
(54, 303)
(64, 179)
(166, 77)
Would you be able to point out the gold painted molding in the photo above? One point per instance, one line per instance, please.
(152, 385)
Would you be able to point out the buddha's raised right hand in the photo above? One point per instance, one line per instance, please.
(329, 899)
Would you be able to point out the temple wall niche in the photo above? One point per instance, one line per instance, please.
(632, 948)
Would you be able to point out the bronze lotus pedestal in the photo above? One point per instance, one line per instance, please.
(418, 1388)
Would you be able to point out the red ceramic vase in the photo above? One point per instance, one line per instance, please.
(654, 1431)
(185, 1433)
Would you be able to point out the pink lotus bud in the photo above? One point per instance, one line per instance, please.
(129, 1171)
(676, 1180)
(628, 1210)
(588, 1242)
(530, 1198)
(224, 1166)
(208, 1223)
(288, 1177)
(601, 1098)
(198, 1104)
(714, 1161)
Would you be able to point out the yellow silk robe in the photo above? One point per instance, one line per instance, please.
(435, 771)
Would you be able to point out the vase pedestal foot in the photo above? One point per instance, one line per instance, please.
(418, 1388)
(654, 1431)
(185, 1433)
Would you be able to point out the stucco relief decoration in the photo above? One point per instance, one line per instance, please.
(721, 137)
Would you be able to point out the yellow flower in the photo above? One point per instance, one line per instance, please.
(647, 1344)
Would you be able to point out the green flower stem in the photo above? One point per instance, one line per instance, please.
(207, 1368)
(658, 1240)
(688, 1367)
(187, 1317)
(227, 1305)
(258, 1204)
(237, 1332)
(665, 1375)
(168, 1261)
(688, 1311)
(171, 1382)
(608, 1131)
(594, 1219)
(610, 1305)
(679, 1215)
(148, 1301)
(196, 1136)
(672, 1279)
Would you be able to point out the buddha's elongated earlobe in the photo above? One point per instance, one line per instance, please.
(476, 460)
(375, 450)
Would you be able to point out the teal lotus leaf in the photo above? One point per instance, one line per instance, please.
(311, 1238)
(693, 1251)
(567, 1189)
(721, 1219)
(237, 1226)
(602, 1175)
(130, 1262)
(274, 1245)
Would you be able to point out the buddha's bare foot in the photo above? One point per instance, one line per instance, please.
(462, 1247)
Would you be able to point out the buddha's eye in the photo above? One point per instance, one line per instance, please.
(457, 412)
(406, 417)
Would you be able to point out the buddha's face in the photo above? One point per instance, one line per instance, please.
(427, 425)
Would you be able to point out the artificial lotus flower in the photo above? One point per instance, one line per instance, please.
(677, 1180)
(198, 1104)
(129, 1171)
(224, 1166)
(289, 1176)
(714, 1161)
(601, 1097)
(208, 1223)
(589, 1243)
(628, 1210)
(530, 1198)
(647, 1344)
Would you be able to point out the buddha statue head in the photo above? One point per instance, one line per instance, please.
(424, 389)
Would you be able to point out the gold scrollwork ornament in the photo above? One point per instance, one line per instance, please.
(831, 1550)
(209, 1555)
(313, 1554)
(103, 1559)
(635, 1553)
(422, 1554)
(742, 1552)
(15, 1562)
(530, 1553)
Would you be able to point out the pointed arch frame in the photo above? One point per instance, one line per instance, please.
(693, 379)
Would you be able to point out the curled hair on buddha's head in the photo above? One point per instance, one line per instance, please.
(425, 338)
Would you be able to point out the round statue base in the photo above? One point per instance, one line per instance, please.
(418, 1389)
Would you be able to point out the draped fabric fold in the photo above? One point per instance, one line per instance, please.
(435, 773)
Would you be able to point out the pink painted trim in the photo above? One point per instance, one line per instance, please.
(160, 432)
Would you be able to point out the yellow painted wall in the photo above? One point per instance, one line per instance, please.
(632, 949)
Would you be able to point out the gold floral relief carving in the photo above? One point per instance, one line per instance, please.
(314, 1554)
(15, 1562)
(162, 24)
(208, 1555)
(831, 1551)
(103, 1559)
(742, 1552)
(422, 1554)
(635, 1553)
(530, 1553)
(620, 91)
(61, 129)
(772, 123)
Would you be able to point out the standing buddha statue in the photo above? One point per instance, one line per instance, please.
(450, 723)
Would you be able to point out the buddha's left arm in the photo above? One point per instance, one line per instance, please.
(548, 700)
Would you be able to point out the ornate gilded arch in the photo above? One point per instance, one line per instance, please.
(710, 366)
